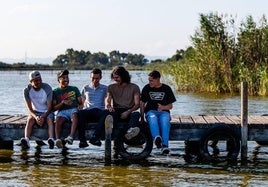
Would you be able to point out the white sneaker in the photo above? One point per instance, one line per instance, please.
(69, 140)
(25, 144)
(59, 143)
(132, 132)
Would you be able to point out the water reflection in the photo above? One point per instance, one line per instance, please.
(73, 156)
(86, 167)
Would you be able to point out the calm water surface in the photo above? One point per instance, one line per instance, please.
(41, 166)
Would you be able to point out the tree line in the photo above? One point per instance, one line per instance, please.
(86, 60)
(74, 59)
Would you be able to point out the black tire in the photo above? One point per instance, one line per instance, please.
(220, 143)
(263, 143)
(138, 148)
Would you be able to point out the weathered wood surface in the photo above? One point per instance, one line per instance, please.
(182, 127)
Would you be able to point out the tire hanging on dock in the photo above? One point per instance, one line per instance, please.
(220, 142)
(138, 148)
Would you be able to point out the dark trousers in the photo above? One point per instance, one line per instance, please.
(92, 115)
(131, 121)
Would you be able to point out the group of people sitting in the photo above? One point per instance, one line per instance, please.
(121, 101)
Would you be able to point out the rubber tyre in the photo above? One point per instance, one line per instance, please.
(220, 133)
(264, 143)
(138, 148)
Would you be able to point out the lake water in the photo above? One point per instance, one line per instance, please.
(85, 167)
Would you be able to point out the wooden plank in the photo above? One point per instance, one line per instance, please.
(259, 119)
(175, 119)
(15, 119)
(224, 119)
(211, 119)
(199, 120)
(186, 119)
(252, 120)
(4, 117)
(235, 119)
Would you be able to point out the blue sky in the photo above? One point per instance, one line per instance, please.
(46, 28)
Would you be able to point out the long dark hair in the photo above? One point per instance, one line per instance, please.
(121, 72)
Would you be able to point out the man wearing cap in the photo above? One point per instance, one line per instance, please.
(38, 99)
(66, 100)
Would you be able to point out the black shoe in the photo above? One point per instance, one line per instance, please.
(165, 150)
(83, 144)
(25, 143)
(158, 142)
(51, 143)
(95, 141)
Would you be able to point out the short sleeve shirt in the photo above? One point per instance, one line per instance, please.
(152, 96)
(123, 97)
(94, 96)
(38, 98)
(71, 93)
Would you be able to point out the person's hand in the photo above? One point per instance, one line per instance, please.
(67, 102)
(125, 114)
(40, 120)
(160, 107)
(110, 109)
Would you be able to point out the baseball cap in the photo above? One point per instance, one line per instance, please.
(62, 72)
(34, 74)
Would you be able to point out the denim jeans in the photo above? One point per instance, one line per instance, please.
(92, 115)
(159, 123)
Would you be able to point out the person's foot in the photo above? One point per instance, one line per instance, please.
(165, 150)
(69, 140)
(51, 143)
(59, 143)
(132, 132)
(95, 141)
(25, 144)
(83, 144)
(158, 142)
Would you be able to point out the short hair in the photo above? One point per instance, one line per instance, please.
(96, 71)
(121, 72)
(154, 74)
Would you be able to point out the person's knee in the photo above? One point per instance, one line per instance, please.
(60, 120)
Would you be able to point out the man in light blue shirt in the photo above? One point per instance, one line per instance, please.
(93, 96)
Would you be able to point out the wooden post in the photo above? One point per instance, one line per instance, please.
(108, 132)
(244, 121)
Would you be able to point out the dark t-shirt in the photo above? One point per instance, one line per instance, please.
(152, 96)
(71, 93)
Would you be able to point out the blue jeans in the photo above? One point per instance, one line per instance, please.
(159, 123)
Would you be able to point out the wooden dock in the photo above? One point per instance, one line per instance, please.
(203, 128)
(182, 127)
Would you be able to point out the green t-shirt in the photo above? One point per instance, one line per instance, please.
(71, 93)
